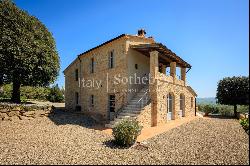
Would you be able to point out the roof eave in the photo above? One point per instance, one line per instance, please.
(163, 49)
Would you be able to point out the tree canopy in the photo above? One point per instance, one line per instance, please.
(28, 53)
(233, 91)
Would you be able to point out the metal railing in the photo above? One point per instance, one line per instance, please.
(139, 104)
(143, 100)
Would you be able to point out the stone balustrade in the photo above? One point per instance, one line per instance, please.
(168, 78)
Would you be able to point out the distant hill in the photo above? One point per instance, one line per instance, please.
(206, 100)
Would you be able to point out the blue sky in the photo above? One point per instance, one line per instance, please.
(212, 35)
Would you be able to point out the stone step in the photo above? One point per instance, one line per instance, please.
(109, 125)
(135, 106)
(125, 117)
(132, 111)
(127, 114)
(139, 95)
(133, 101)
(129, 109)
(136, 100)
(132, 107)
(113, 123)
(137, 103)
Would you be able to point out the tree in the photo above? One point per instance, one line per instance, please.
(55, 94)
(28, 53)
(233, 91)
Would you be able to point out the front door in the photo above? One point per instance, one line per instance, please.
(111, 109)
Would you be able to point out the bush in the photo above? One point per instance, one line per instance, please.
(55, 94)
(245, 123)
(6, 91)
(225, 110)
(27, 92)
(243, 109)
(207, 108)
(126, 132)
(37, 93)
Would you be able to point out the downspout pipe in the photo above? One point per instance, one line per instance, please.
(195, 106)
(80, 72)
(188, 69)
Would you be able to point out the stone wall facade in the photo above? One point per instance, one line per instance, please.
(165, 88)
(123, 61)
(145, 116)
(94, 66)
(169, 85)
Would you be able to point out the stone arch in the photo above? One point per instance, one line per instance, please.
(182, 111)
(170, 106)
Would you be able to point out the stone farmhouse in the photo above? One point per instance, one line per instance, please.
(127, 77)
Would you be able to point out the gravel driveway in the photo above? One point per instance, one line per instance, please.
(68, 139)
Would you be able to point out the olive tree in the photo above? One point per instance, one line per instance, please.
(28, 53)
(233, 91)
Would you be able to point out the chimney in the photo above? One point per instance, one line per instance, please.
(141, 33)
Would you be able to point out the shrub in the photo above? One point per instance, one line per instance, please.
(6, 91)
(243, 109)
(245, 123)
(207, 108)
(225, 110)
(201, 107)
(38, 93)
(55, 94)
(27, 92)
(126, 132)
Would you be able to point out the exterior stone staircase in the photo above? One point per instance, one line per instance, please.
(133, 108)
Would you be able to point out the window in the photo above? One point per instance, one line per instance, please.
(170, 102)
(111, 103)
(192, 102)
(76, 74)
(92, 101)
(136, 66)
(77, 97)
(92, 65)
(170, 106)
(182, 105)
(111, 60)
(182, 102)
